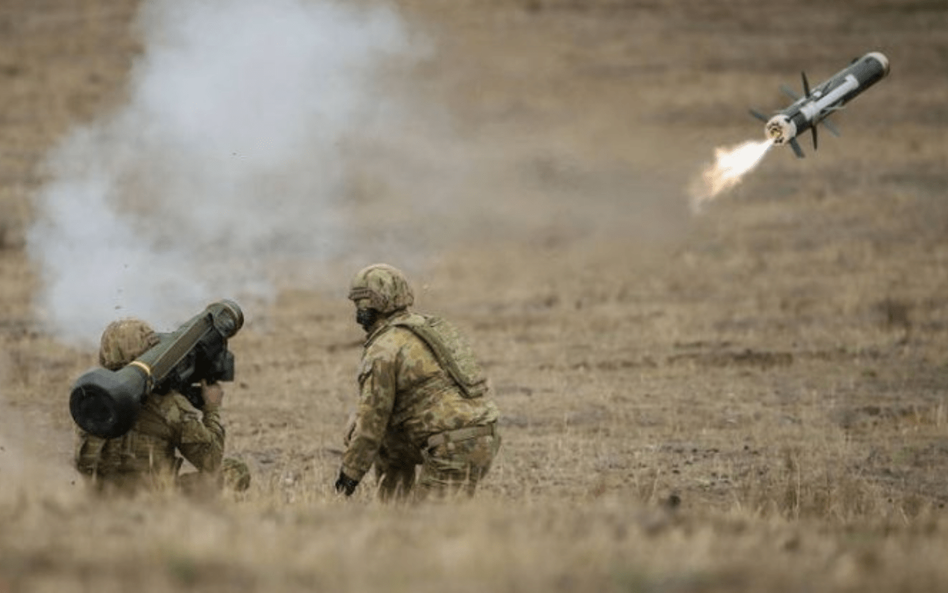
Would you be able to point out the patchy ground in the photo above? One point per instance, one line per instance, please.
(750, 398)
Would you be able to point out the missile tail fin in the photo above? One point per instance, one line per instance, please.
(789, 92)
(758, 115)
(831, 127)
(806, 85)
(813, 129)
(796, 148)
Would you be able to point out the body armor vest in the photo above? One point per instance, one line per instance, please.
(452, 351)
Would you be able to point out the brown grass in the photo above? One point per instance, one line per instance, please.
(748, 400)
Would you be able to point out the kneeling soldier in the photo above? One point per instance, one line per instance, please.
(423, 398)
(146, 456)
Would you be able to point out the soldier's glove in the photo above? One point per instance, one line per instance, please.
(345, 484)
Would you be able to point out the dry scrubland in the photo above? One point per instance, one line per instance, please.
(751, 399)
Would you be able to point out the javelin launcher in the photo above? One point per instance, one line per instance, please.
(814, 106)
(106, 403)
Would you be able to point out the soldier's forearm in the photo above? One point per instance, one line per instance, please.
(212, 421)
(206, 457)
(205, 447)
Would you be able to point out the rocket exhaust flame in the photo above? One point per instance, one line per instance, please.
(806, 112)
(729, 167)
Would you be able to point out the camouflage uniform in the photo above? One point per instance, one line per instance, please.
(146, 455)
(416, 406)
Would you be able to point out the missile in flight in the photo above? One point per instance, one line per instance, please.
(806, 112)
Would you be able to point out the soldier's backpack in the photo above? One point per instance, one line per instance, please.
(452, 351)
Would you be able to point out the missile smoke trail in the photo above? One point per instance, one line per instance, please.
(225, 159)
(730, 166)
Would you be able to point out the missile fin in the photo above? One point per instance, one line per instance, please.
(806, 85)
(813, 129)
(789, 92)
(796, 148)
(831, 127)
(758, 114)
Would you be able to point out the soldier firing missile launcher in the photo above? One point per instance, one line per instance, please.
(106, 403)
(814, 106)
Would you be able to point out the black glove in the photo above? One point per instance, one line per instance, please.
(345, 484)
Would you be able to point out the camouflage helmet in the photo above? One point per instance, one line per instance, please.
(385, 286)
(125, 340)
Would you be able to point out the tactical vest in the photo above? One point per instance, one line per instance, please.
(452, 351)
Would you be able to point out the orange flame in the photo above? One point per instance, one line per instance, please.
(730, 166)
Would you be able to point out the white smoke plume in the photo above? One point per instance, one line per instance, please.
(226, 159)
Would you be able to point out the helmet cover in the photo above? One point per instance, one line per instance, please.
(385, 286)
(125, 340)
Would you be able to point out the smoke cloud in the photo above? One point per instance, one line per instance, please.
(227, 158)
(264, 144)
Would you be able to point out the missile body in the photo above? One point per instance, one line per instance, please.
(814, 106)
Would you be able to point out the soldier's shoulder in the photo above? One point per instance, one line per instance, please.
(393, 338)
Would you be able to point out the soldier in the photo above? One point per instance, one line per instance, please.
(423, 398)
(146, 455)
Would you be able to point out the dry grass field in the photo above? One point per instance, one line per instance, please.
(750, 398)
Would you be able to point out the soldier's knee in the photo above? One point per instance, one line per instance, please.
(235, 474)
